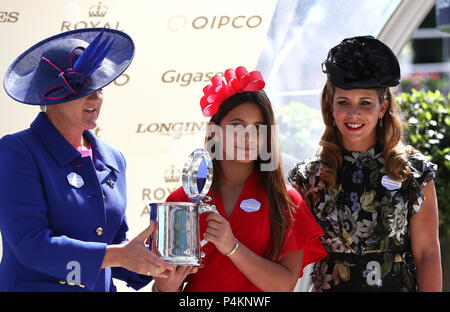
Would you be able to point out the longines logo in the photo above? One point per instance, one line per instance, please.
(171, 175)
(98, 12)
(178, 22)
(9, 17)
(175, 130)
(185, 79)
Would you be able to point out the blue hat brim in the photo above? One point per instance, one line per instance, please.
(25, 82)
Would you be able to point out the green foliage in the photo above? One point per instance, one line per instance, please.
(427, 83)
(428, 130)
(300, 129)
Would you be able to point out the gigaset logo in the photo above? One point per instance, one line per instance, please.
(9, 17)
(178, 22)
(185, 79)
(203, 22)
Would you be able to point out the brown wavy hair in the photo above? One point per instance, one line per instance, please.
(390, 137)
(274, 183)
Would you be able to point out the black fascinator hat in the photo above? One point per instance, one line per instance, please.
(362, 63)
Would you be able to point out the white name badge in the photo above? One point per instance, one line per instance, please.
(390, 184)
(75, 180)
(250, 205)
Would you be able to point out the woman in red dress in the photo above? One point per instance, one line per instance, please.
(264, 234)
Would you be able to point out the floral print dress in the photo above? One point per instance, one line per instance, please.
(366, 221)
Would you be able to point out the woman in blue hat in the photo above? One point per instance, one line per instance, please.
(373, 195)
(63, 190)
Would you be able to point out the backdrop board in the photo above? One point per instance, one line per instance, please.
(151, 113)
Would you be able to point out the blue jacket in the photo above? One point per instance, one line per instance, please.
(55, 231)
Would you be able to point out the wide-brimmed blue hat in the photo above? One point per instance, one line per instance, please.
(68, 66)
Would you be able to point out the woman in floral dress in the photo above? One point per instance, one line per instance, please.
(373, 195)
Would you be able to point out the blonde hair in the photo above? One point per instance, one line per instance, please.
(390, 137)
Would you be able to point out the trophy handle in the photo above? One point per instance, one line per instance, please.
(202, 209)
(206, 208)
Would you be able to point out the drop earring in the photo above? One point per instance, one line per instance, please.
(380, 122)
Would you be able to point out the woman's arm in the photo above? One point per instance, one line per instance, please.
(267, 275)
(425, 242)
(174, 280)
(134, 256)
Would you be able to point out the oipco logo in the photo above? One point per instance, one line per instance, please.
(171, 76)
(122, 80)
(178, 22)
(9, 17)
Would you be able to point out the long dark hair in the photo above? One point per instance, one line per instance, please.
(390, 137)
(273, 181)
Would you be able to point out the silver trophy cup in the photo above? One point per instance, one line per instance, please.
(177, 236)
